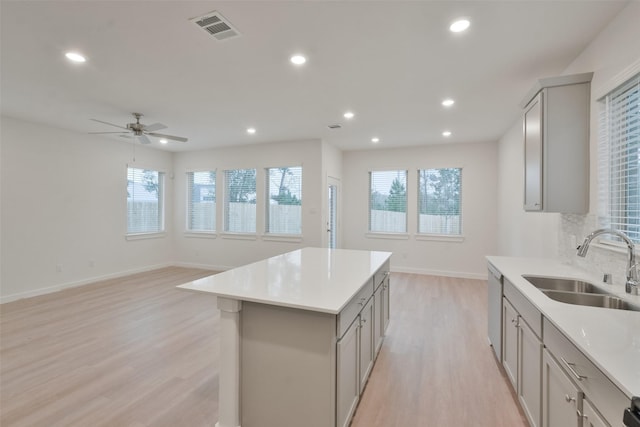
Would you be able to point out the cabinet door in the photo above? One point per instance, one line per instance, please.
(533, 155)
(378, 320)
(386, 303)
(510, 321)
(591, 417)
(560, 397)
(366, 342)
(529, 376)
(348, 374)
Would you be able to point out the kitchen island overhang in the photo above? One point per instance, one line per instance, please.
(282, 320)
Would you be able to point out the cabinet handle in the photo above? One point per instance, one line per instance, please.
(569, 399)
(570, 367)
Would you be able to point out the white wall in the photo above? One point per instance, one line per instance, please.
(64, 204)
(611, 56)
(223, 252)
(521, 233)
(479, 199)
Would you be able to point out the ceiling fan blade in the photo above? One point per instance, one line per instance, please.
(154, 127)
(101, 133)
(174, 138)
(143, 139)
(110, 124)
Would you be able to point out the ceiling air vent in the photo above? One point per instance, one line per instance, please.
(216, 25)
(336, 126)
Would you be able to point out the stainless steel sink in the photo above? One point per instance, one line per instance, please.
(592, 300)
(566, 285)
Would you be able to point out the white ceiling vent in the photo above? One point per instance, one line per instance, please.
(335, 126)
(216, 25)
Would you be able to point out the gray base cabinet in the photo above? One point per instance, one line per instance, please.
(314, 366)
(560, 397)
(522, 350)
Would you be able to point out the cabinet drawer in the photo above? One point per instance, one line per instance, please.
(598, 389)
(353, 307)
(380, 275)
(527, 311)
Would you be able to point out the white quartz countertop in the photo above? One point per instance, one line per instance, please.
(609, 338)
(316, 279)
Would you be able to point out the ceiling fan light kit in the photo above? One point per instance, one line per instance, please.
(141, 131)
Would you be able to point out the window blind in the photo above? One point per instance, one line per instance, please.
(388, 201)
(240, 200)
(620, 157)
(201, 203)
(144, 201)
(439, 201)
(284, 196)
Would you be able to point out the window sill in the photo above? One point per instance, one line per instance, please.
(393, 236)
(440, 238)
(240, 236)
(143, 236)
(292, 238)
(201, 234)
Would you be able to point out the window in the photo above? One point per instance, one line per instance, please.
(201, 201)
(439, 200)
(388, 201)
(620, 157)
(284, 206)
(145, 202)
(240, 201)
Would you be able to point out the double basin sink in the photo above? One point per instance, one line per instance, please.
(577, 292)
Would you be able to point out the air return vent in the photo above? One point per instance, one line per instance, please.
(216, 25)
(335, 126)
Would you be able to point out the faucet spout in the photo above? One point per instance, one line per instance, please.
(632, 271)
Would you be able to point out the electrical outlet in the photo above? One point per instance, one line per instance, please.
(92, 263)
(59, 268)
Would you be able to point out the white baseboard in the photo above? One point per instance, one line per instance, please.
(444, 273)
(202, 266)
(88, 281)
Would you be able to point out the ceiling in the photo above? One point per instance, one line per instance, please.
(390, 62)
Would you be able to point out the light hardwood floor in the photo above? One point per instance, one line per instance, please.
(137, 352)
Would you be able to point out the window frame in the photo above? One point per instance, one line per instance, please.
(161, 230)
(189, 230)
(423, 235)
(225, 207)
(385, 233)
(614, 176)
(267, 208)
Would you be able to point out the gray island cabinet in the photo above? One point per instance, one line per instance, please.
(299, 334)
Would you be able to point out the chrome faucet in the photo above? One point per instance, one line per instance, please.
(631, 286)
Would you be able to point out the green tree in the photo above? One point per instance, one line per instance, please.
(440, 191)
(241, 185)
(378, 201)
(284, 196)
(397, 200)
(150, 181)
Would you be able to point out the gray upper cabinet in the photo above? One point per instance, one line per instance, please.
(556, 144)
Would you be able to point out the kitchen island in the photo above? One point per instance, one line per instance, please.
(299, 333)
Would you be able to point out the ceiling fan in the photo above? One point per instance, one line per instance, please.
(140, 130)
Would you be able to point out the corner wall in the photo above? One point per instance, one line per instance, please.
(611, 56)
(415, 255)
(64, 209)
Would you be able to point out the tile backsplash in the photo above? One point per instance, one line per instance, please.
(599, 260)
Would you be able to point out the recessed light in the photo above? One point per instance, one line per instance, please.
(75, 57)
(448, 102)
(375, 140)
(251, 131)
(298, 59)
(446, 133)
(164, 141)
(348, 115)
(459, 25)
